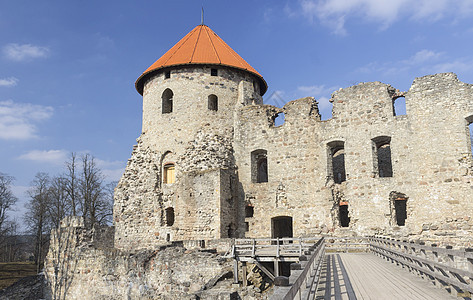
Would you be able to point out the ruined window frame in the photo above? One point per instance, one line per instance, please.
(259, 159)
(333, 148)
(167, 101)
(387, 167)
(212, 102)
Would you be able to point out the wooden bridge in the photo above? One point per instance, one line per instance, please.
(357, 268)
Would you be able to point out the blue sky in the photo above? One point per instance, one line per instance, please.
(67, 68)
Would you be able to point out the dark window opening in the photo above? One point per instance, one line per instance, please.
(336, 163)
(167, 101)
(169, 216)
(382, 156)
(343, 214)
(247, 227)
(401, 212)
(279, 119)
(398, 208)
(167, 74)
(259, 166)
(213, 102)
(399, 106)
(249, 211)
(168, 237)
(281, 227)
(213, 72)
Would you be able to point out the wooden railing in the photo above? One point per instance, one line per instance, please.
(305, 276)
(448, 268)
(288, 249)
(346, 244)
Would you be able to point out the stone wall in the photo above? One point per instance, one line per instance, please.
(79, 268)
(430, 155)
(357, 159)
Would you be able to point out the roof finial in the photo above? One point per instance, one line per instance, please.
(202, 16)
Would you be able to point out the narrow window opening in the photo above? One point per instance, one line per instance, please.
(398, 208)
(167, 74)
(213, 102)
(399, 106)
(247, 226)
(259, 166)
(249, 211)
(169, 175)
(167, 101)
(169, 216)
(213, 72)
(336, 163)
(382, 156)
(279, 119)
(343, 214)
(168, 237)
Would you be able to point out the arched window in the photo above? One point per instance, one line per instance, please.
(382, 162)
(213, 102)
(169, 216)
(169, 175)
(399, 106)
(336, 161)
(259, 166)
(167, 101)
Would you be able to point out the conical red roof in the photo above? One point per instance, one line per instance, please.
(200, 46)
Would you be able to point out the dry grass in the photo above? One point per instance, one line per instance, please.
(11, 272)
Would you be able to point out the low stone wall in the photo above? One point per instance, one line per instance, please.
(79, 267)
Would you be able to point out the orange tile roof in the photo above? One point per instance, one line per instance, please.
(200, 46)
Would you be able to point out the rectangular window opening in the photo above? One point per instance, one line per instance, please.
(167, 74)
(213, 72)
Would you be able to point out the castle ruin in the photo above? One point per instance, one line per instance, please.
(211, 165)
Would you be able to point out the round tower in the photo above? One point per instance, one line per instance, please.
(189, 98)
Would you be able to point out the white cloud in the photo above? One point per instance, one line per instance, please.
(422, 60)
(24, 52)
(56, 157)
(18, 120)
(334, 13)
(10, 81)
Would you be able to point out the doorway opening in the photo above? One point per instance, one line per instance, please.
(281, 227)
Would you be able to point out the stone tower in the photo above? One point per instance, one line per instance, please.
(177, 184)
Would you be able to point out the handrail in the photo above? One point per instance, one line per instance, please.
(446, 267)
(304, 278)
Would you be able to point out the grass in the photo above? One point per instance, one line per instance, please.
(11, 272)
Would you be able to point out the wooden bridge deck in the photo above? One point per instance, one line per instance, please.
(366, 276)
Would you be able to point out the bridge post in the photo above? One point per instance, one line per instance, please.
(243, 268)
(235, 271)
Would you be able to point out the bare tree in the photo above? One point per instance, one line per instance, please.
(59, 204)
(72, 183)
(7, 200)
(91, 190)
(37, 217)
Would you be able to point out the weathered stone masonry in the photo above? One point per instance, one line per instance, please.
(211, 165)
